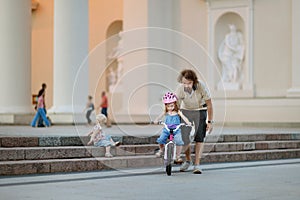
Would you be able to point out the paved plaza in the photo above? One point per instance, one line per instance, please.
(269, 180)
(275, 179)
(132, 130)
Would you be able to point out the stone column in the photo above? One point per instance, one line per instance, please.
(294, 91)
(15, 57)
(70, 51)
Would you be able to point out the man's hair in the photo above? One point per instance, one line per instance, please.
(189, 75)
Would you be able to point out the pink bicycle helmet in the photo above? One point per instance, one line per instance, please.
(169, 97)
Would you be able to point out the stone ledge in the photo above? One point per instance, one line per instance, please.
(62, 152)
(131, 140)
(92, 164)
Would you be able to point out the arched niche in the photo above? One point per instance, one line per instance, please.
(113, 38)
(221, 30)
(220, 15)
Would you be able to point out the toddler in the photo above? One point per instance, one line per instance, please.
(99, 139)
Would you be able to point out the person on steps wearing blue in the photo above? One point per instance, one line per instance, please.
(40, 112)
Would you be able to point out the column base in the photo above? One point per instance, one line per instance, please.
(68, 115)
(293, 92)
(16, 119)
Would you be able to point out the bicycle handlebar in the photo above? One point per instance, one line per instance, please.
(177, 127)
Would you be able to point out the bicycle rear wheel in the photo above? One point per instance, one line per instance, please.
(170, 151)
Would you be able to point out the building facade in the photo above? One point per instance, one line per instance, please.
(246, 51)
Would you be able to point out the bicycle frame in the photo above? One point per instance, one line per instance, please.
(170, 147)
(171, 131)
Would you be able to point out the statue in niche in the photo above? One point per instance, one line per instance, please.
(111, 79)
(231, 55)
(117, 54)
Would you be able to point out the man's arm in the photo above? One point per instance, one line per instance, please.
(209, 114)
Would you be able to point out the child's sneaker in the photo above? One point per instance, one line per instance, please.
(117, 144)
(158, 154)
(108, 155)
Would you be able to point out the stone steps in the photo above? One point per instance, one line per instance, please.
(130, 140)
(63, 152)
(32, 155)
(101, 163)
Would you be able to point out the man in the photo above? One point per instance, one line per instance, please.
(195, 103)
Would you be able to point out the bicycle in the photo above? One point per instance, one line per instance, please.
(170, 147)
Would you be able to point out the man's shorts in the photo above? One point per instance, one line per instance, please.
(199, 118)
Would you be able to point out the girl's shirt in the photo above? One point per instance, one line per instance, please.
(100, 135)
(40, 103)
(194, 100)
(172, 120)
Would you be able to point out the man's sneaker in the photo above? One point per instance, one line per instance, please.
(197, 169)
(185, 166)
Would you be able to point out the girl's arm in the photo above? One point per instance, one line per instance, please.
(90, 133)
(185, 119)
(93, 136)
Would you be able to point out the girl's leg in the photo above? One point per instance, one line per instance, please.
(160, 151)
(114, 143)
(43, 115)
(37, 115)
(161, 141)
(107, 152)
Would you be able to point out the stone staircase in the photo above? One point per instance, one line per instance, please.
(35, 155)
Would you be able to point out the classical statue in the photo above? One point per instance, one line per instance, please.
(231, 55)
(112, 80)
(117, 54)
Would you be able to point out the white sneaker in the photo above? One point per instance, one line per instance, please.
(197, 169)
(184, 167)
(108, 155)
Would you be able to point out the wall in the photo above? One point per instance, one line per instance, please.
(102, 14)
(42, 49)
(272, 47)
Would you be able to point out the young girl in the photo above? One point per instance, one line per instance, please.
(99, 138)
(89, 109)
(172, 117)
(40, 111)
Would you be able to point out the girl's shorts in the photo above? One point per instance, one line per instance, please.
(165, 134)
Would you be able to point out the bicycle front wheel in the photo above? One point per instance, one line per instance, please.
(170, 151)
